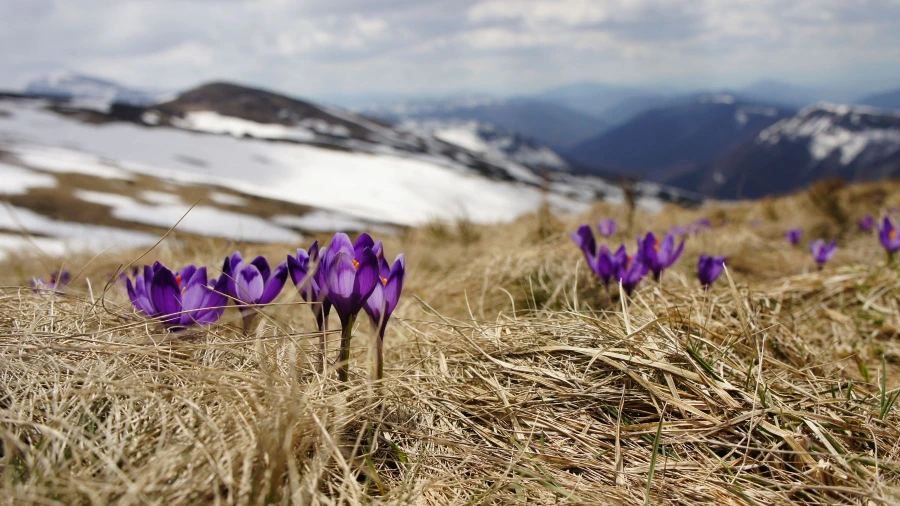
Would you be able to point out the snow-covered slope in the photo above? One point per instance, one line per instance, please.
(824, 140)
(267, 181)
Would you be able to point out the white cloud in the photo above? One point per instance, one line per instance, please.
(346, 46)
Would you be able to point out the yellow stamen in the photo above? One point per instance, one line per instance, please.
(355, 264)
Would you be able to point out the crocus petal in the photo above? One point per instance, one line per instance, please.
(341, 280)
(274, 284)
(298, 267)
(340, 243)
(584, 239)
(362, 242)
(674, 256)
(394, 285)
(375, 305)
(165, 295)
(366, 278)
(186, 274)
(228, 272)
(262, 265)
(249, 283)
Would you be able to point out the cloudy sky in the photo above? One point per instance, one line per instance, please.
(323, 48)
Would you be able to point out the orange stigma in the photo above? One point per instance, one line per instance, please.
(178, 279)
(892, 235)
(355, 264)
(384, 281)
(656, 245)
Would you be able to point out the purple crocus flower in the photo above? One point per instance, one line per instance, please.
(304, 272)
(607, 227)
(866, 223)
(386, 294)
(605, 265)
(822, 252)
(681, 230)
(177, 300)
(658, 255)
(584, 239)
(630, 272)
(703, 223)
(351, 276)
(53, 284)
(381, 304)
(351, 279)
(889, 237)
(793, 235)
(709, 268)
(252, 284)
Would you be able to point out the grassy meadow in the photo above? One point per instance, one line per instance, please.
(510, 375)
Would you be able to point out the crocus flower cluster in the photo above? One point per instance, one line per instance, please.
(889, 235)
(822, 252)
(348, 277)
(793, 236)
(651, 255)
(252, 284)
(177, 300)
(659, 254)
(53, 284)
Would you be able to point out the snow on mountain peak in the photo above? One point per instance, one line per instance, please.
(829, 128)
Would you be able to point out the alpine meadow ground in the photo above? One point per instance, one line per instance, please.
(510, 374)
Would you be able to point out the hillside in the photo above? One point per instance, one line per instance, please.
(510, 376)
(664, 143)
(260, 167)
(822, 141)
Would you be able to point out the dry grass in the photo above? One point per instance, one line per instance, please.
(509, 378)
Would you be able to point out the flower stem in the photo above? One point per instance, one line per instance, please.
(322, 323)
(249, 318)
(344, 355)
(379, 358)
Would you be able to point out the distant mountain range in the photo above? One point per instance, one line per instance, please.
(718, 143)
(546, 122)
(663, 143)
(884, 100)
(71, 85)
(610, 103)
(854, 143)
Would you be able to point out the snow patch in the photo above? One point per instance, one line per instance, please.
(321, 221)
(66, 161)
(17, 180)
(207, 221)
(66, 236)
(213, 122)
(160, 198)
(227, 199)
